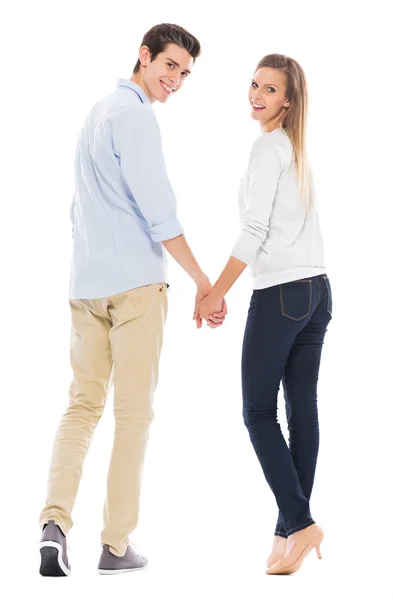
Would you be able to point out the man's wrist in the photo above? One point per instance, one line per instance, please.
(200, 278)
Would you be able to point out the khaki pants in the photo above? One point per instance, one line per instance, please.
(115, 339)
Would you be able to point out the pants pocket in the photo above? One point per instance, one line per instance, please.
(295, 299)
(329, 291)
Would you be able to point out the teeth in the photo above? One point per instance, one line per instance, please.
(257, 105)
(168, 89)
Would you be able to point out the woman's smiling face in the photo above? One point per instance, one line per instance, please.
(267, 95)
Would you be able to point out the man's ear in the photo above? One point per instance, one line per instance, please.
(144, 55)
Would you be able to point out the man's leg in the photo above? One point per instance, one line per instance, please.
(136, 338)
(91, 362)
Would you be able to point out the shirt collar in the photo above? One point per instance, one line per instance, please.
(134, 86)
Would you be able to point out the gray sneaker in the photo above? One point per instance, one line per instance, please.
(53, 548)
(114, 565)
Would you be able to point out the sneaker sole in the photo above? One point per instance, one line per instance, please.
(119, 571)
(52, 564)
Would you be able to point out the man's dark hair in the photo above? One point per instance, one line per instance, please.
(159, 36)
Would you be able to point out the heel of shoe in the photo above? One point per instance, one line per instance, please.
(317, 543)
(318, 550)
(52, 564)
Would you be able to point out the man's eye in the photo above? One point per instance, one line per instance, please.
(170, 65)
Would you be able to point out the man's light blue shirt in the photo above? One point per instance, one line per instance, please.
(124, 205)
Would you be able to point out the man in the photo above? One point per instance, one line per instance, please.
(123, 213)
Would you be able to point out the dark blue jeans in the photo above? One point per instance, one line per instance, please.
(283, 341)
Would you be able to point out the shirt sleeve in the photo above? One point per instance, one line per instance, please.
(72, 214)
(137, 143)
(264, 170)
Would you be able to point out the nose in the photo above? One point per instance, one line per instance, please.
(175, 79)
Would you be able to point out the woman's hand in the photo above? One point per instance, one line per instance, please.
(213, 309)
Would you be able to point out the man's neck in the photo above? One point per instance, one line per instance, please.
(138, 79)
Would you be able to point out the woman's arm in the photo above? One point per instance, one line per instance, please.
(214, 301)
(263, 173)
(264, 170)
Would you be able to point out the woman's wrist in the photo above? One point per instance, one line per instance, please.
(217, 293)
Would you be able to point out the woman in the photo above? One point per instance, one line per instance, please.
(291, 304)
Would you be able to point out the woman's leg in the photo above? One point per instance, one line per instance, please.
(276, 316)
(300, 393)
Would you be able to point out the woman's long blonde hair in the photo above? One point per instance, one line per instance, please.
(294, 121)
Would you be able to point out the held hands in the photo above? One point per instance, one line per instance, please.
(209, 307)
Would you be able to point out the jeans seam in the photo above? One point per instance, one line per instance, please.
(294, 529)
(329, 296)
(251, 324)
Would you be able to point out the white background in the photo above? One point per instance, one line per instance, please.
(207, 517)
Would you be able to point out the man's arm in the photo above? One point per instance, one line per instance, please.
(138, 147)
(181, 252)
(137, 143)
(72, 215)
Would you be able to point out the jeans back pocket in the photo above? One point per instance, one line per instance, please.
(296, 299)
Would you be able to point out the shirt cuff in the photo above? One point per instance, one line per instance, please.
(166, 230)
(246, 247)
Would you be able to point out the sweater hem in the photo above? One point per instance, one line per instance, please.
(265, 280)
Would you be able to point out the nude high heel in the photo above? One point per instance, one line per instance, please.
(277, 551)
(299, 545)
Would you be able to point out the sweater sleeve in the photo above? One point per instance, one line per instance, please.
(264, 170)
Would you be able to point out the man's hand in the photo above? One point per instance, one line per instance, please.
(211, 308)
(215, 319)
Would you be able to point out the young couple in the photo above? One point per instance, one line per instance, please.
(123, 214)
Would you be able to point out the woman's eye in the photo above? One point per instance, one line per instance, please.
(170, 65)
(270, 88)
(254, 85)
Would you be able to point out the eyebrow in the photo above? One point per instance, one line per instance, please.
(269, 84)
(177, 65)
